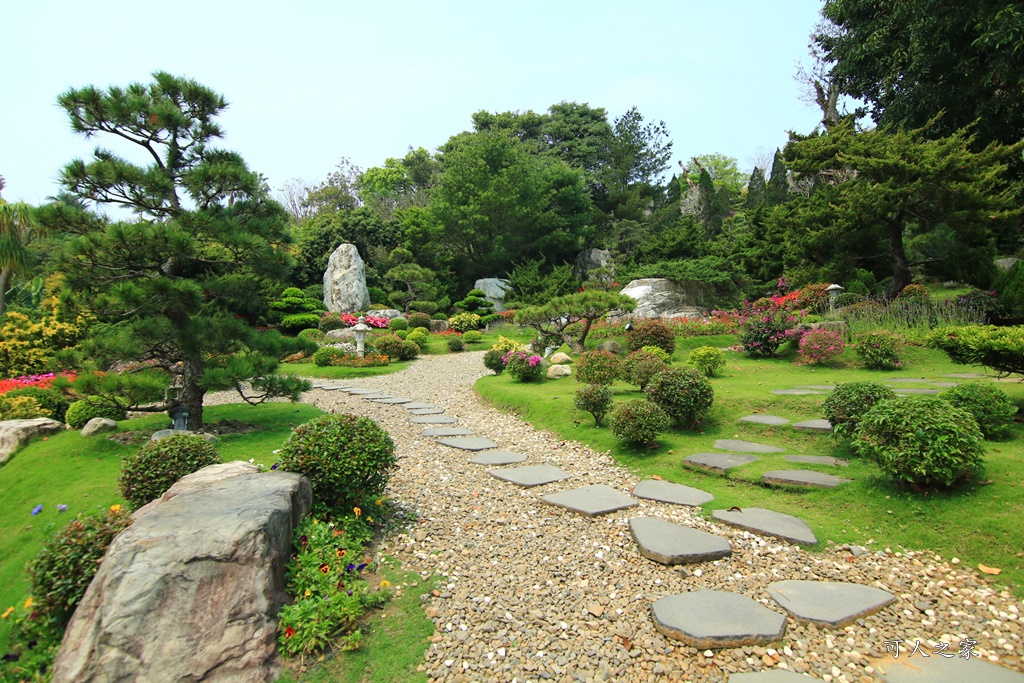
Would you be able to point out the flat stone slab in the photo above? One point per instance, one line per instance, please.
(797, 392)
(832, 603)
(497, 458)
(816, 425)
(329, 387)
(432, 419)
(718, 462)
(771, 420)
(939, 669)
(906, 380)
(770, 676)
(667, 492)
(818, 460)
(739, 446)
(910, 390)
(427, 411)
(392, 400)
(447, 431)
(818, 387)
(370, 397)
(530, 475)
(707, 619)
(945, 385)
(469, 443)
(668, 543)
(965, 375)
(803, 478)
(593, 500)
(416, 405)
(786, 527)
(360, 392)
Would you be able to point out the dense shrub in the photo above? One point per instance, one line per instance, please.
(80, 412)
(398, 324)
(419, 336)
(326, 356)
(419, 320)
(985, 302)
(401, 334)
(821, 346)
(409, 350)
(439, 316)
(313, 334)
(766, 329)
(332, 321)
(494, 360)
(296, 322)
(152, 470)
(504, 344)
(69, 560)
(880, 350)
(850, 401)
(598, 367)
(683, 393)
(473, 337)
(455, 343)
(1009, 287)
(813, 297)
(347, 458)
(639, 422)
(844, 299)
(428, 308)
(914, 292)
(641, 366)
(28, 347)
(52, 402)
(921, 442)
(652, 333)
(999, 348)
(659, 352)
(464, 322)
(707, 359)
(991, 408)
(20, 408)
(389, 345)
(595, 399)
(524, 366)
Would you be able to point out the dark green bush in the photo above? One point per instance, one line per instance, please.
(418, 319)
(595, 399)
(850, 401)
(639, 422)
(598, 367)
(332, 321)
(652, 333)
(684, 394)
(438, 316)
(147, 474)
(398, 324)
(992, 409)
(641, 366)
(296, 322)
(921, 442)
(494, 360)
(455, 343)
(80, 412)
(880, 349)
(326, 356)
(347, 458)
(313, 334)
(427, 307)
(377, 296)
(51, 401)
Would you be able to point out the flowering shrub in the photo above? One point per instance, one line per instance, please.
(504, 344)
(419, 320)
(523, 366)
(394, 347)
(707, 359)
(684, 394)
(651, 333)
(639, 422)
(766, 327)
(812, 297)
(494, 360)
(19, 408)
(147, 474)
(989, 405)
(464, 322)
(595, 399)
(337, 321)
(821, 346)
(598, 367)
(880, 350)
(914, 292)
(27, 346)
(43, 381)
(984, 302)
(333, 357)
(850, 401)
(641, 366)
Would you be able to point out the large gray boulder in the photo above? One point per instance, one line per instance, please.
(591, 259)
(99, 425)
(191, 590)
(661, 298)
(345, 281)
(494, 289)
(13, 433)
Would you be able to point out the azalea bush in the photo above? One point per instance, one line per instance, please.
(523, 366)
(880, 350)
(767, 326)
(641, 366)
(821, 346)
(598, 367)
(684, 394)
(337, 321)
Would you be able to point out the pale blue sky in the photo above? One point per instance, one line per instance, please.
(311, 82)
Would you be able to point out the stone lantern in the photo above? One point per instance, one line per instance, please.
(361, 329)
(833, 291)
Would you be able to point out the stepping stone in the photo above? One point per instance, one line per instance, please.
(908, 390)
(329, 387)
(906, 380)
(669, 543)
(770, 676)
(945, 385)
(738, 446)
(667, 492)
(803, 478)
(817, 425)
(832, 603)
(427, 411)
(718, 462)
(392, 400)
(530, 475)
(447, 431)
(469, 443)
(818, 460)
(370, 397)
(771, 420)
(818, 387)
(360, 392)
(938, 669)
(416, 405)
(593, 500)
(786, 527)
(707, 619)
(497, 458)
(797, 392)
(966, 375)
(432, 419)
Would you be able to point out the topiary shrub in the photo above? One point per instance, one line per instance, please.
(146, 475)
(52, 402)
(69, 560)
(428, 308)
(921, 442)
(684, 394)
(880, 349)
(991, 408)
(659, 352)
(707, 360)
(639, 422)
(409, 350)
(473, 337)
(296, 322)
(455, 343)
(598, 367)
(347, 458)
(438, 316)
(419, 320)
(464, 322)
(80, 412)
(595, 399)
(419, 336)
(398, 324)
(850, 401)
(641, 366)
(313, 334)
(523, 366)
(389, 345)
(494, 360)
(820, 346)
(326, 356)
(20, 408)
(401, 334)
(652, 333)
(332, 321)
(914, 292)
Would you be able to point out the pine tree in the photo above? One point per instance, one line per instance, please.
(777, 191)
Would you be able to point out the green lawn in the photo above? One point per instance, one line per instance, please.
(338, 372)
(979, 523)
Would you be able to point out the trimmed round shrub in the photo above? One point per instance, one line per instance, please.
(880, 350)
(409, 350)
(473, 337)
(420, 320)
(296, 322)
(438, 316)
(598, 367)
(850, 401)
(419, 335)
(313, 334)
(659, 352)
(455, 343)
(66, 565)
(991, 408)
(147, 474)
(523, 366)
(494, 360)
(347, 458)
(80, 412)
(332, 321)
(595, 399)
(53, 403)
(389, 345)
(401, 334)
(684, 394)
(464, 322)
(639, 422)
(326, 356)
(707, 359)
(821, 346)
(921, 442)
(398, 324)
(641, 366)
(652, 333)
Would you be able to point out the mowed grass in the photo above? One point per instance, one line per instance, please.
(979, 523)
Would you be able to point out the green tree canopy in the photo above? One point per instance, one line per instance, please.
(555, 319)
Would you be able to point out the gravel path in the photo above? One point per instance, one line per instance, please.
(533, 592)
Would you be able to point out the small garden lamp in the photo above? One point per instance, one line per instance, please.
(361, 329)
(179, 417)
(833, 292)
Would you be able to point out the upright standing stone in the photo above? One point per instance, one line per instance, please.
(591, 259)
(494, 289)
(345, 281)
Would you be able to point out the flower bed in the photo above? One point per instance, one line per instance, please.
(42, 381)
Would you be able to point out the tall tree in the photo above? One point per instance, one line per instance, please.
(640, 152)
(18, 228)
(777, 191)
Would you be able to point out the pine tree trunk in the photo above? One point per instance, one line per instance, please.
(901, 276)
(191, 393)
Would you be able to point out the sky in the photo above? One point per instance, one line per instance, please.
(310, 82)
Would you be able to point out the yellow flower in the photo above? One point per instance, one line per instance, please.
(316, 521)
(380, 501)
(385, 584)
(28, 603)
(115, 508)
(7, 613)
(357, 511)
(308, 593)
(369, 519)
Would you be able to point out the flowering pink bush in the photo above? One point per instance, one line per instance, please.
(43, 381)
(523, 366)
(821, 346)
(767, 324)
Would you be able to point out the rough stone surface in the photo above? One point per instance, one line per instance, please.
(447, 431)
(832, 603)
(1006, 263)
(560, 358)
(815, 425)
(740, 446)
(417, 405)
(497, 458)
(592, 259)
(797, 392)
(709, 619)
(427, 411)
(819, 387)
(192, 589)
(718, 462)
(164, 433)
(661, 298)
(593, 500)
(771, 420)
(803, 478)
(667, 492)
(438, 325)
(938, 669)
(13, 433)
(530, 475)
(432, 420)
(770, 676)
(818, 460)
(360, 392)
(344, 334)
(786, 527)
(558, 371)
(99, 425)
(668, 543)
(610, 345)
(392, 400)
(494, 289)
(469, 443)
(345, 281)
(389, 313)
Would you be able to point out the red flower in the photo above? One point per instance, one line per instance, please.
(289, 632)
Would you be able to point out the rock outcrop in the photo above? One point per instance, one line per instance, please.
(345, 281)
(494, 289)
(190, 591)
(13, 433)
(661, 298)
(592, 259)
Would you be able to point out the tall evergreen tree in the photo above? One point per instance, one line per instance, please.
(756, 190)
(777, 191)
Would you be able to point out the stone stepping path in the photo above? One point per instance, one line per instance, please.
(811, 478)
(530, 475)
(939, 669)
(770, 420)
(831, 603)
(432, 419)
(417, 405)
(770, 523)
(375, 395)
(718, 462)
(360, 392)
(447, 431)
(593, 500)
(715, 619)
(329, 387)
(497, 458)
(770, 676)
(797, 392)
(668, 543)
(427, 411)
(908, 390)
(945, 385)
(667, 492)
(817, 387)
(818, 460)
(816, 425)
(392, 400)
(469, 443)
(965, 375)
(906, 380)
(739, 446)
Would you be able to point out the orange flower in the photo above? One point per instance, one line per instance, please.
(357, 511)
(115, 508)
(28, 603)
(7, 613)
